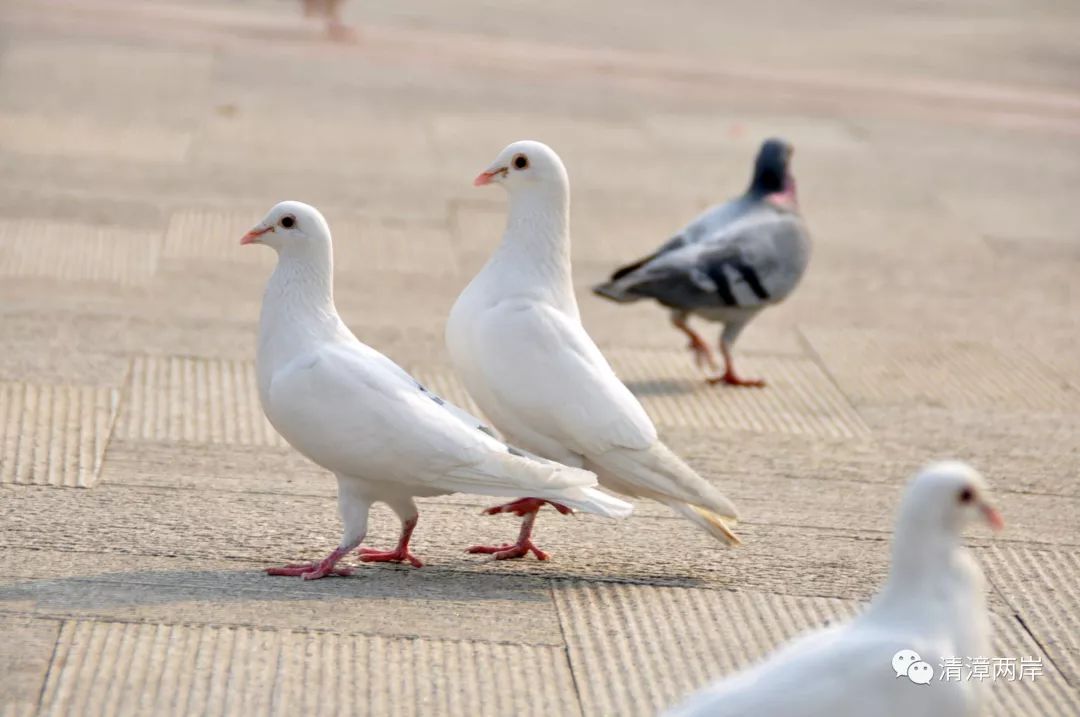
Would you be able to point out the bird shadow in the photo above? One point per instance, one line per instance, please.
(120, 590)
(661, 387)
(131, 590)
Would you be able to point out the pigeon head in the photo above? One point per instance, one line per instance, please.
(772, 169)
(292, 227)
(525, 164)
(946, 497)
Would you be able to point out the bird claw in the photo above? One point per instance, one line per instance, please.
(731, 379)
(510, 551)
(310, 571)
(371, 555)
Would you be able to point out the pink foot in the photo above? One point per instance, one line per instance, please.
(310, 571)
(528, 508)
(733, 380)
(509, 551)
(525, 506)
(314, 571)
(398, 555)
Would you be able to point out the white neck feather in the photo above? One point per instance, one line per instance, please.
(935, 587)
(298, 307)
(534, 256)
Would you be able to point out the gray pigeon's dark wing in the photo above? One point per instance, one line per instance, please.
(752, 262)
(705, 224)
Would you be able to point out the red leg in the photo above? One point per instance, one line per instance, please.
(521, 548)
(703, 355)
(730, 377)
(314, 571)
(399, 554)
(525, 506)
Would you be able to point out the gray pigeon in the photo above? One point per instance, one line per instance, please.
(728, 264)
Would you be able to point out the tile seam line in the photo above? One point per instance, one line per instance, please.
(566, 645)
(1042, 648)
(52, 661)
(816, 357)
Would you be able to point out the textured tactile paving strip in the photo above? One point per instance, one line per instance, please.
(126, 668)
(37, 248)
(675, 640)
(1043, 587)
(54, 434)
(194, 400)
(800, 398)
(877, 369)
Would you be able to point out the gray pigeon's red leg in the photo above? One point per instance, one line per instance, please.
(703, 355)
(730, 377)
(314, 571)
(524, 544)
(398, 555)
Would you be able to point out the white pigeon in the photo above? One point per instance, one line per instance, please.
(516, 339)
(358, 414)
(933, 606)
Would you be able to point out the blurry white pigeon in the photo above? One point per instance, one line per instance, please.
(358, 414)
(515, 337)
(728, 264)
(883, 663)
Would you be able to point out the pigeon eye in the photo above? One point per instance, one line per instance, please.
(966, 495)
(520, 161)
(288, 221)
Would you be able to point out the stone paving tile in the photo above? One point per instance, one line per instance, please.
(25, 654)
(615, 630)
(272, 528)
(76, 75)
(54, 434)
(116, 667)
(232, 467)
(713, 131)
(36, 362)
(80, 136)
(882, 370)
(436, 604)
(1032, 451)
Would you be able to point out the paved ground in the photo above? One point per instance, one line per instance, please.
(141, 491)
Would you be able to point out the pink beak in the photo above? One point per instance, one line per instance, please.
(993, 517)
(253, 236)
(487, 177)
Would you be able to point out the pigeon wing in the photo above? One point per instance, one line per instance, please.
(749, 264)
(369, 418)
(542, 367)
